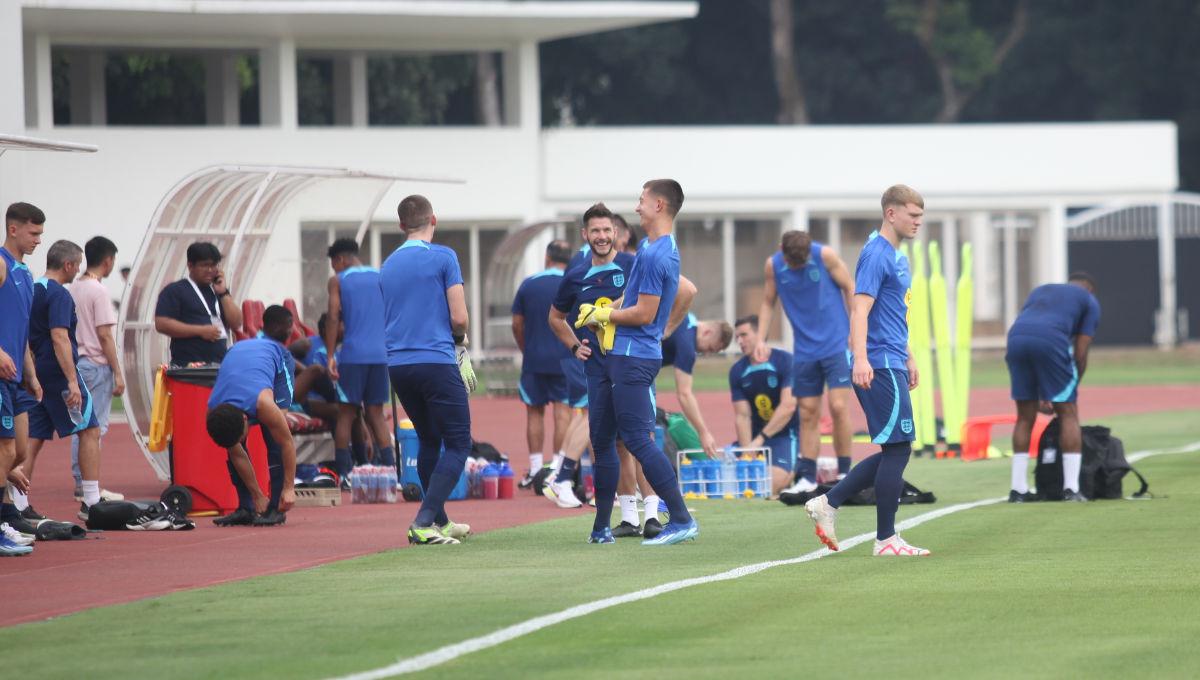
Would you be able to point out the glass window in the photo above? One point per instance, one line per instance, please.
(314, 89)
(754, 241)
(699, 244)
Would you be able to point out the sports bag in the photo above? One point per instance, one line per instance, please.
(1101, 472)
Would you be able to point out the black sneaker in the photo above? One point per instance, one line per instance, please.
(626, 530)
(239, 517)
(32, 515)
(270, 518)
(1018, 497)
(1074, 496)
(653, 528)
(148, 521)
(83, 511)
(526, 481)
(23, 525)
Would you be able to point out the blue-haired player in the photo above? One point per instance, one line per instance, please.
(632, 336)
(359, 368)
(23, 226)
(1046, 356)
(254, 386)
(883, 372)
(763, 406)
(425, 317)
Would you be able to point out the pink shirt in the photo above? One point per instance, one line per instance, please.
(94, 309)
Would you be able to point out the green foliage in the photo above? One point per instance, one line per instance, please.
(421, 89)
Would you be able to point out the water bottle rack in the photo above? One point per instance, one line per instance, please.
(729, 477)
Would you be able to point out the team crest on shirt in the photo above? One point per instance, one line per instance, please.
(772, 381)
(8, 422)
(906, 426)
(618, 280)
(814, 274)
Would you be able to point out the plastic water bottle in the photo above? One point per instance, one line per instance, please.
(689, 473)
(491, 482)
(743, 475)
(73, 411)
(507, 483)
(759, 471)
(358, 493)
(728, 474)
(711, 472)
(390, 480)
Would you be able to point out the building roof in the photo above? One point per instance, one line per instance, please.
(21, 143)
(369, 24)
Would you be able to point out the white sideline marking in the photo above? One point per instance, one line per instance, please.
(450, 652)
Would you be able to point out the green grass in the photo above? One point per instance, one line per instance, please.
(1105, 367)
(1105, 589)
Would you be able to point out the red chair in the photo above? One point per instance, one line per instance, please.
(299, 329)
(977, 434)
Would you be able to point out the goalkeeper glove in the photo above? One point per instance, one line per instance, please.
(607, 333)
(463, 357)
(591, 315)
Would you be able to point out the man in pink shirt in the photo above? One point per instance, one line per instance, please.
(98, 364)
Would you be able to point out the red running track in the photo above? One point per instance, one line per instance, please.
(113, 567)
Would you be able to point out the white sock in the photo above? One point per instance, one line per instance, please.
(91, 492)
(19, 498)
(1020, 472)
(556, 462)
(650, 507)
(1071, 464)
(535, 463)
(629, 509)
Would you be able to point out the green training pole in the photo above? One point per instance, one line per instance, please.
(964, 318)
(942, 348)
(912, 317)
(919, 338)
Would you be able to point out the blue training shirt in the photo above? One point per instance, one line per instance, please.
(544, 352)
(250, 367)
(814, 305)
(53, 307)
(1058, 311)
(762, 385)
(679, 349)
(585, 283)
(362, 301)
(16, 302)
(655, 272)
(883, 274)
(414, 279)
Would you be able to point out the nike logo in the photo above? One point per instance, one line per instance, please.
(584, 288)
(842, 380)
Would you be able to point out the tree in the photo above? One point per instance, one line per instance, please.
(792, 106)
(964, 52)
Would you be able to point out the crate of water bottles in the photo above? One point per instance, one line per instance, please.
(736, 473)
(373, 484)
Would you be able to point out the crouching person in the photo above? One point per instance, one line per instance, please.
(254, 385)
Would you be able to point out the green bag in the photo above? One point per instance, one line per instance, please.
(681, 432)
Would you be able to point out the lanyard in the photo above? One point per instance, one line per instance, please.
(214, 316)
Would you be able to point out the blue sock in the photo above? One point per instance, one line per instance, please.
(567, 471)
(806, 469)
(433, 508)
(843, 465)
(889, 483)
(343, 461)
(8, 510)
(606, 472)
(245, 500)
(860, 477)
(360, 452)
(662, 478)
(385, 455)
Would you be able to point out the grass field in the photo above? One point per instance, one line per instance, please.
(1123, 366)
(1106, 589)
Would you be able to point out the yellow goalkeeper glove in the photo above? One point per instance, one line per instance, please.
(463, 357)
(591, 315)
(607, 333)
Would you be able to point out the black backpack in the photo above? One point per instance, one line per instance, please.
(1101, 472)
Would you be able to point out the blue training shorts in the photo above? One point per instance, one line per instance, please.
(8, 408)
(809, 378)
(539, 389)
(1041, 369)
(577, 390)
(363, 384)
(51, 415)
(783, 451)
(887, 406)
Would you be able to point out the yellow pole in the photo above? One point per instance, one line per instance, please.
(964, 318)
(919, 339)
(943, 352)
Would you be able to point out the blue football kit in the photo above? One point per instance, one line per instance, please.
(415, 279)
(542, 378)
(16, 301)
(585, 283)
(362, 359)
(816, 309)
(761, 385)
(54, 308)
(1040, 352)
(679, 348)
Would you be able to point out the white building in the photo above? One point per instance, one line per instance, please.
(1008, 189)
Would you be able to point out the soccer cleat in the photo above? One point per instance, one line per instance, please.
(628, 530)
(562, 493)
(16, 536)
(675, 532)
(430, 535)
(238, 518)
(652, 528)
(23, 525)
(148, 522)
(270, 518)
(9, 548)
(456, 531)
(83, 511)
(32, 515)
(801, 485)
(1074, 496)
(824, 516)
(526, 481)
(897, 547)
(603, 536)
(1015, 496)
(105, 495)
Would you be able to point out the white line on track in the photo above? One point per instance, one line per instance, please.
(451, 652)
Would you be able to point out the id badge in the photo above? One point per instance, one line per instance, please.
(216, 321)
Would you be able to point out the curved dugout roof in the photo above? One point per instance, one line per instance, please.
(235, 207)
